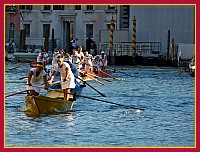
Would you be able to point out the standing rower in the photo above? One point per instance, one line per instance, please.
(67, 77)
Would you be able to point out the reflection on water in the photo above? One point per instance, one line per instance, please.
(167, 118)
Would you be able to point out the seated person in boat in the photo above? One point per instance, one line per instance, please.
(54, 57)
(61, 51)
(43, 57)
(72, 66)
(68, 58)
(102, 60)
(80, 53)
(76, 60)
(36, 77)
(88, 61)
(67, 77)
(96, 66)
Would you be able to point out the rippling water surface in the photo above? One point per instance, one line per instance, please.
(167, 118)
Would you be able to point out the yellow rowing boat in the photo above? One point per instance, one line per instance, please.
(49, 104)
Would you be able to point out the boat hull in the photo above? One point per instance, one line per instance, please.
(77, 90)
(37, 105)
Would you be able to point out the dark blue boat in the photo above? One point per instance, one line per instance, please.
(77, 90)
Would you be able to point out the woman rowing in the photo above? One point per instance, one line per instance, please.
(67, 77)
(36, 77)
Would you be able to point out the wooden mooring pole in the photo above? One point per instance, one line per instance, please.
(112, 25)
(134, 37)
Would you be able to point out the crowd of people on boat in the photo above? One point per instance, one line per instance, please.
(68, 67)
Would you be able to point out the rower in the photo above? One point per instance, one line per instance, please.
(36, 77)
(67, 77)
(103, 60)
(88, 61)
(43, 57)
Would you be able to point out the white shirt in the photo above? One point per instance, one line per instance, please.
(39, 78)
(54, 60)
(80, 54)
(62, 69)
(88, 59)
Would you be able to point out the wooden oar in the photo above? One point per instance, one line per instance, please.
(28, 90)
(25, 77)
(56, 82)
(91, 87)
(42, 86)
(180, 72)
(95, 79)
(15, 81)
(125, 106)
(16, 93)
(108, 74)
(122, 72)
(96, 76)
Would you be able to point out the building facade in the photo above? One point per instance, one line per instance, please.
(82, 21)
(68, 21)
(154, 22)
(12, 23)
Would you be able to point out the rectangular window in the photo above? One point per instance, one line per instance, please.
(125, 14)
(111, 7)
(28, 30)
(29, 7)
(25, 7)
(58, 7)
(46, 30)
(89, 7)
(47, 7)
(11, 8)
(12, 31)
(89, 30)
(77, 7)
(22, 7)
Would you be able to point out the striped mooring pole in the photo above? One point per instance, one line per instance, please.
(111, 35)
(134, 37)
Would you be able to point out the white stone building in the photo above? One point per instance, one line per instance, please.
(80, 21)
(70, 22)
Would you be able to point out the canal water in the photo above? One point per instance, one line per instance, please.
(166, 116)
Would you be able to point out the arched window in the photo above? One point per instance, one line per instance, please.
(11, 31)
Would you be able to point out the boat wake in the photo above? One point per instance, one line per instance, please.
(22, 109)
(135, 111)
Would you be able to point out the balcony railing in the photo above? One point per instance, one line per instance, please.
(147, 49)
